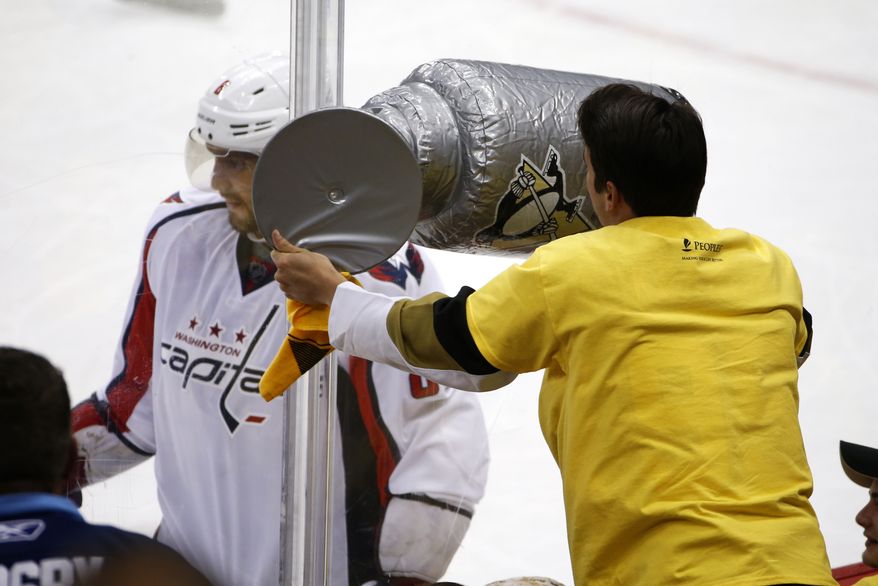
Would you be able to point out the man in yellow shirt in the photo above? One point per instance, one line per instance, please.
(670, 351)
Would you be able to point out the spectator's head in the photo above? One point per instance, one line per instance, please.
(237, 116)
(647, 149)
(34, 424)
(860, 463)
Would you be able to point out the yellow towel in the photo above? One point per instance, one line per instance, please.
(306, 344)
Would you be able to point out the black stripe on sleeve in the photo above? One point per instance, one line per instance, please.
(423, 498)
(806, 316)
(452, 331)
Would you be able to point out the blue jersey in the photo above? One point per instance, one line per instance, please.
(45, 541)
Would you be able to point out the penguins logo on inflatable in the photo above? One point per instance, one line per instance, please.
(534, 210)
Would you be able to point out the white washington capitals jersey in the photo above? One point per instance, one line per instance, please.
(199, 332)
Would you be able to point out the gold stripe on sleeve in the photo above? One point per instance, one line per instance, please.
(410, 326)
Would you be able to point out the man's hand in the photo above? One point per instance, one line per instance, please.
(307, 277)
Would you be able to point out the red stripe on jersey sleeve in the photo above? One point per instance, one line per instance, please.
(126, 390)
(85, 415)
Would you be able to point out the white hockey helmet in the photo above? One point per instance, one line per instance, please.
(240, 111)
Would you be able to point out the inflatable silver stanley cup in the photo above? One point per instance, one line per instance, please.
(499, 151)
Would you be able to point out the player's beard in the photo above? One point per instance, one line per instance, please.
(241, 218)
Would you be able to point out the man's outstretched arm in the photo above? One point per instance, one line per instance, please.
(427, 336)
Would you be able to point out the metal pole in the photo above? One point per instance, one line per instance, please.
(316, 77)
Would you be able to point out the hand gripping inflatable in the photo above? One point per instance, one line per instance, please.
(497, 147)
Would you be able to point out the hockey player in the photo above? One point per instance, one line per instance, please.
(43, 538)
(204, 322)
(670, 351)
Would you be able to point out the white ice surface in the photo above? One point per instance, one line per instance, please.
(96, 97)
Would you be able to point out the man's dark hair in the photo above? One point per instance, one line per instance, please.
(35, 440)
(653, 150)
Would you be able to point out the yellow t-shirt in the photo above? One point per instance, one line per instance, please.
(669, 400)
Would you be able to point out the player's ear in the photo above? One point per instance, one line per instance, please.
(613, 195)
